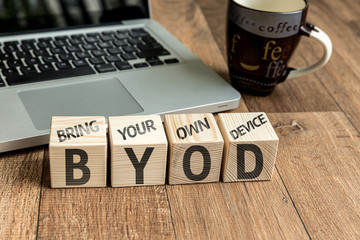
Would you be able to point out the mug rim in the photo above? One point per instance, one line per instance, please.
(285, 13)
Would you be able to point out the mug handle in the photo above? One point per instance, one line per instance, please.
(314, 32)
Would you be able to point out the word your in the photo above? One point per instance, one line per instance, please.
(183, 132)
(250, 125)
(132, 130)
(76, 131)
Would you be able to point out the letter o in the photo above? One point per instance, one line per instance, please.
(184, 133)
(270, 29)
(128, 131)
(206, 167)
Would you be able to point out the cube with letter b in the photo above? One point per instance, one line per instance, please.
(78, 152)
(138, 150)
(250, 146)
(195, 148)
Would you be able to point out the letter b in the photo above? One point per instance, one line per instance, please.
(81, 165)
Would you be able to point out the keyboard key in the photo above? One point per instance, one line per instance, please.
(57, 51)
(121, 36)
(45, 39)
(141, 65)
(80, 63)
(108, 67)
(63, 65)
(82, 55)
(114, 51)
(120, 43)
(145, 47)
(50, 75)
(171, 60)
(149, 59)
(6, 56)
(105, 45)
(28, 70)
(152, 53)
(61, 38)
(11, 48)
(138, 34)
(66, 57)
(14, 63)
(28, 46)
(112, 58)
(39, 52)
(123, 65)
(32, 61)
(11, 43)
(10, 72)
(135, 41)
(129, 49)
(46, 67)
(98, 53)
(106, 33)
(93, 35)
(107, 38)
(73, 49)
(156, 63)
(128, 56)
(60, 43)
(49, 59)
(97, 60)
(91, 39)
(89, 47)
(76, 41)
(148, 39)
(77, 36)
(138, 30)
(44, 45)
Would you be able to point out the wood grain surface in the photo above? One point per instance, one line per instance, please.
(315, 189)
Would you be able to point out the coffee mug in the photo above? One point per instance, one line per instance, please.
(262, 36)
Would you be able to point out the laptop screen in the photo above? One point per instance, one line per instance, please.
(30, 15)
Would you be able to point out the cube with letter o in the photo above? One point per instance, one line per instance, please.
(78, 152)
(195, 148)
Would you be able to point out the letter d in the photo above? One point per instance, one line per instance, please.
(259, 162)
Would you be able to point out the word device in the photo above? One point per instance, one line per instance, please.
(189, 148)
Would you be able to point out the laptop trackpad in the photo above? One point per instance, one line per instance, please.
(107, 97)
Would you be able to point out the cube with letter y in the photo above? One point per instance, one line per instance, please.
(195, 148)
(138, 151)
(250, 146)
(78, 152)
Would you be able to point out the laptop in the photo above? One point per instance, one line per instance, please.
(94, 58)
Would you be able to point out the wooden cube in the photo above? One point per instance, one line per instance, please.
(138, 150)
(78, 152)
(250, 146)
(195, 148)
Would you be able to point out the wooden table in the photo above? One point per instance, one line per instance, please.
(314, 192)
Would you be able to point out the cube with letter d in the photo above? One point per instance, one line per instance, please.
(138, 150)
(250, 146)
(195, 148)
(78, 152)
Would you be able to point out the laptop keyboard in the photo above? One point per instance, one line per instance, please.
(43, 59)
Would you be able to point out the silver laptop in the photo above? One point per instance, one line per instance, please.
(94, 58)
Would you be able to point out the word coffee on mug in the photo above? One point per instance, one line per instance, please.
(261, 37)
